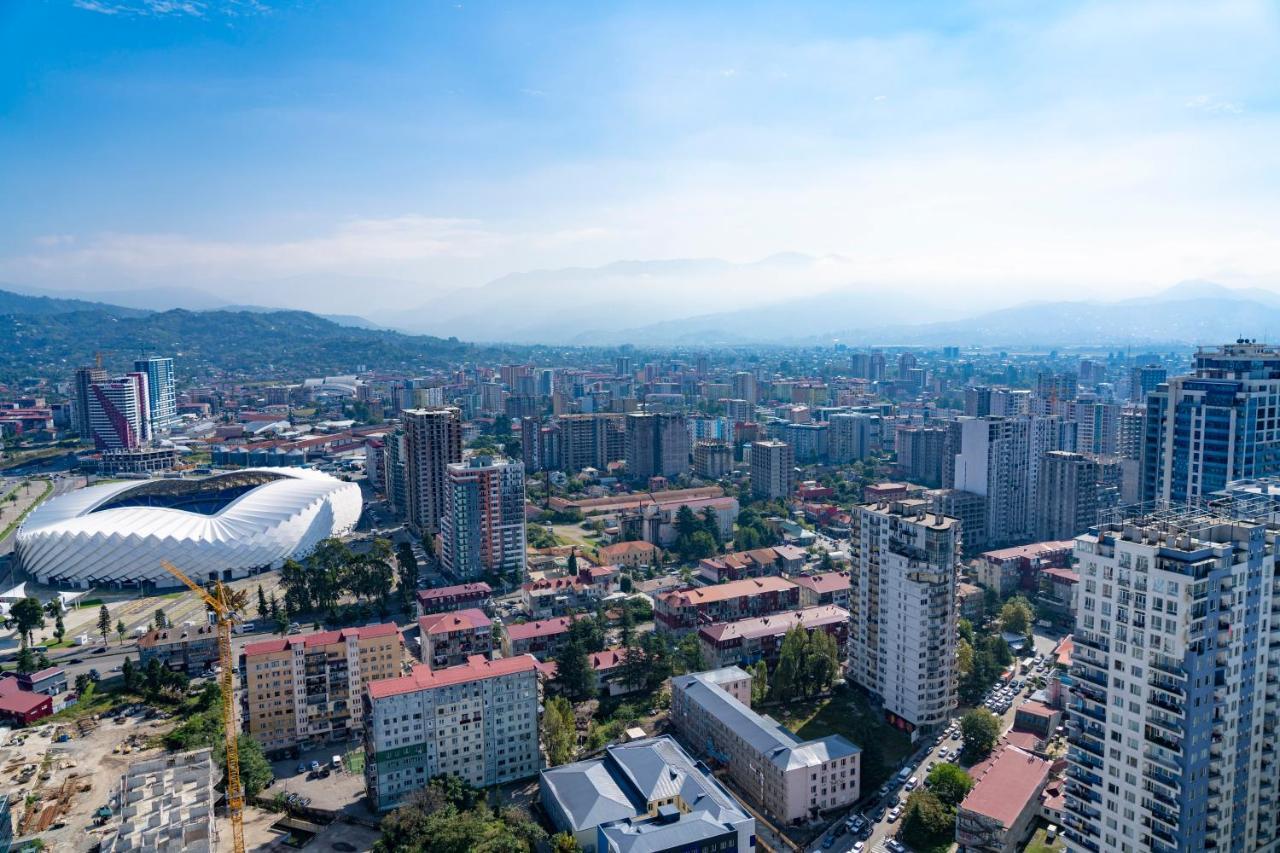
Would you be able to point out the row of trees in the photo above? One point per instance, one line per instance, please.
(648, 659)
(697, 535)
(981, 659)
(334, 570)
(449, 816)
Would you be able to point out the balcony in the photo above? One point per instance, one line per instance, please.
(1088, 711)
(1163, 702)
(1088, 746)
(1156, 737)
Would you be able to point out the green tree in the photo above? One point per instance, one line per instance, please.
(789, 673)
(574, 676)
(160, 620)
(59, 629)
(999, 650)
(949, 783)
(965, 629)
(980, 728)
(759, 682)
(329, 564)
(121, 630)
(129, 672)
(563, 842)
(659, 659)
(104, 622)
(26, 659)
(572, 564)
(927, 822)
(559, 731)
(688, 654)
(964, 657)
(263, 607)
(28, 616)
(297, 591)
(1017, 615)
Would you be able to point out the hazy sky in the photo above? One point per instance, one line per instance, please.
(1029, 149)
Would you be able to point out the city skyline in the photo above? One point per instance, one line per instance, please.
(296, 157)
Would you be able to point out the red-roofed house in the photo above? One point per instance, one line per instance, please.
(629, 554)
(20, 707)
(824, 588)
(1007, 569)
(458, 597)
(1037, 718)
(305, 688)
(542, 637)
(449, 639)
(998, 813)
(748, 640)
(684, 610)
(549, 597)
(481, 725)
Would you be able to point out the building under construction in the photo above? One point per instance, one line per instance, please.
(167, 804)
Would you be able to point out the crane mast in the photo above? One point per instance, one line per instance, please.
(225, 603)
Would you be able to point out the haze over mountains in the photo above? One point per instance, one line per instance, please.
(783, 299)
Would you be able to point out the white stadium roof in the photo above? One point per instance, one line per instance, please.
(225, 525)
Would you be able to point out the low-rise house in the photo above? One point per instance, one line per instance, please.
(1008, 569)
(1038, 718)
(685, 610)
(646, 795)
(630, 555)
(542, 638)
(972, 601)
(998, 813)
(745, 641)
(1059, 588)
(191, 649)
(20, 707)
(824, 588)
(547, 597)
(739, 565)
(458, 597)
(791, 779)
(449, 639)
(50, 681)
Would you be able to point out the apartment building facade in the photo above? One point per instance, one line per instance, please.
(449, 639)
(305, 688)
(432, 442)
(478, 721)
(483, 528)
(684, 610)
(902, 643)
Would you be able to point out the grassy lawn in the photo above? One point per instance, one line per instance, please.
(354, 761)
(847, 712)
(1039, 843)
(91, 702)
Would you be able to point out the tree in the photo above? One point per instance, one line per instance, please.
(161, 620)
(821, 664)
(1017, 615)
(255, 770)
(129, 672)
(329, 564)
(574, 676)
(688, 654)
(82, 683)
(949, 783)
(965, 629)
(788, 674)
(59, 629)
(759, 682)
(28, 615)
(563, 842)
(559, 731)
(964, 656)
(297, 591)
(26, 659)
(980, 728)
(121, 630)
(263, 608)
(926, 820)
(571, 566)
(104, 622)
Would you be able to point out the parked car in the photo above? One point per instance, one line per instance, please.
(895, 814)
(315, 766)
(912, 783)
(301, 768)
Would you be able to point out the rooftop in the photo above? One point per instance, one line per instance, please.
(780, 623)
(321, 638)
(453, 620)
(1028, 552)
(1005, 783)
(478, 588)
(540, 628)
(767, 737)
(824, 581)
(176, 634)
(725, 591)
(424, 678)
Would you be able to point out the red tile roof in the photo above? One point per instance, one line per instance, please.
(724, 591)
(541, 628)
(321, 638)
(1064, 650)
(453, 620)
(1038, 709)
(609, 658)
(424, 677)
(771, 626)
(824, 582)
(1062, 574)
(1005, 783)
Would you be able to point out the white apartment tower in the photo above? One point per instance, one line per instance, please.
(162, 393)
(1172, 723)
(773, 469)
(482, 531)
(902, 638)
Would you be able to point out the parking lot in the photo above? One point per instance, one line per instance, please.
(314, 781)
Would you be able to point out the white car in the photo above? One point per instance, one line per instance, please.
(895, 814)
(912, 783)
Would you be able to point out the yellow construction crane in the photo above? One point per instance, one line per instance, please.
(226, 603)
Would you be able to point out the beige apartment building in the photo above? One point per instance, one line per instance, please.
(306, 689)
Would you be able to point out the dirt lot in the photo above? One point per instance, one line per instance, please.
(73, 778)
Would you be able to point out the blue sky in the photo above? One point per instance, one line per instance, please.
(1013, 148)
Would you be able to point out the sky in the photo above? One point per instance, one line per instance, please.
(362, 157)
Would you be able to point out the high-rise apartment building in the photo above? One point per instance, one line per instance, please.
(1132, 432)
(1144, 380)
(1172, 724)
(85, 378)
(992, 457)
(477, 721)
(1216, 425)
(853, 436)
(1066, 496)
(1097, 425)
(712, 458)
(119, 412)
(587, 441)
(482, 531)
(902, 638)
(305, 689)
(744, 387)
(162, 391)
(657, 445)
(773, 470)
(433, 442)
(920, 450)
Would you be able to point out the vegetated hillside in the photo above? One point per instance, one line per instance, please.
(42, 306)
(212, 343)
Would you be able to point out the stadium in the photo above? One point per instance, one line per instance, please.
(225, 526)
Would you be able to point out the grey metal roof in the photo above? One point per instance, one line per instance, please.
(649, 836)
(767, 736)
